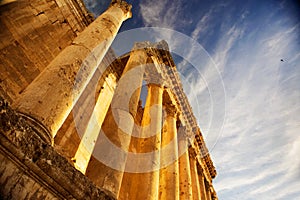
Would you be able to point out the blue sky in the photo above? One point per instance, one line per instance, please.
(243, 85)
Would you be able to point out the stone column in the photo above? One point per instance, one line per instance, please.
(208, 192)
(89, 138)
(203, 195)
(49, 99)
(194, 174)
(147, 184)
(113, 142)
(169, 172)
(185, 179)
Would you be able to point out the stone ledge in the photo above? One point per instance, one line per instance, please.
(38, 160)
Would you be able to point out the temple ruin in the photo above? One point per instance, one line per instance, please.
(73, 123)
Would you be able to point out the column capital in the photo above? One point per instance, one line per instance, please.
(141, 45)
(152, 76)
(126, 7)
(151, 47)
(13, 120)
(162, 45)
(171, 110)
(182, 133)
(156, 82)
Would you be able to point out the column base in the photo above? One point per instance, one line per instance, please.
(37, 127)
(14, 121)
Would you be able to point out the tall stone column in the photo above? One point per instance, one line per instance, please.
(48, 100)
(194, 173)
(185, 179)
(89, 138)
(203, 195)
(169, 172)
(113, 142)
(147, 184)
(208, 192)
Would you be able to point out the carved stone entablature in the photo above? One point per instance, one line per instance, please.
(88, 16)
(123, 5)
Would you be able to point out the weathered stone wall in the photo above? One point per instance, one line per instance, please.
(33, 33)
(30, 168)
(15, 184)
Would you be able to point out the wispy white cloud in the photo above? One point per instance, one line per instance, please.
(161, 13)
(261, 133)
(203, 24)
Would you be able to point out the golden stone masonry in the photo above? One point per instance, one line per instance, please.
(72, 121)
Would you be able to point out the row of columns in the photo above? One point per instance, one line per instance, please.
(50, 98)
(179, 179)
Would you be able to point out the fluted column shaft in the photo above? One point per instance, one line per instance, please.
(51, 96)
(169, 172)
(89, 138)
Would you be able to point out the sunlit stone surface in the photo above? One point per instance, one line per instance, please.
(72, 122)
